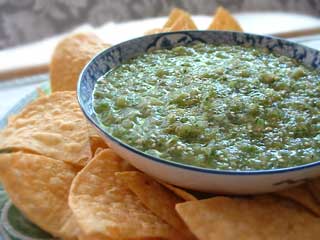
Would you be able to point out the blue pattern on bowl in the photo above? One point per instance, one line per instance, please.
(114, 56)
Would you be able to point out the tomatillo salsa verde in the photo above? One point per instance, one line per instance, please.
(214, 106)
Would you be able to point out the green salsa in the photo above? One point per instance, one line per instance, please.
(214, 106)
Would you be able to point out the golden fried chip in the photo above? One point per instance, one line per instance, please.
(179, 192)
(92, 131)
(39, 187)
(260, 218)
(174, 15)
(95, 140)
(53, 126)
(303, 196)
(70, 57)
(184, 22)
(178, 20)
(156, 198)
(314, 187)
(223, 20)
(102, 205)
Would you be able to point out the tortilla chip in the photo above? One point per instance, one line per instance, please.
(223, 20)
(303, 196)
(95, 140)
(184, 22)
(179, 192)
(39, 187)
(53, 126)
(92, 131)
(175, 15)
(314, 187)
(260, 218)
(102, 205)
(178, 20)
(69, 58)
(156, 198)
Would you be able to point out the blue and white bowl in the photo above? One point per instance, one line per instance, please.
(188, 176)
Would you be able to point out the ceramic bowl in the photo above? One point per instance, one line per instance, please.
(188, 176)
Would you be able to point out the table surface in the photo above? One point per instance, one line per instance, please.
(12, 91)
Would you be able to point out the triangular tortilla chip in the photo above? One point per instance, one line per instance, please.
(39, 187)
(260, 218)
(103, 206)
(183, 23)
(173, 17)
(223, 20)
(179, 20)
(156, 198)
(53, 126)
(301, 195)
(69, 58)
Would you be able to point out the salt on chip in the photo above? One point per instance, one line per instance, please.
(223, 20)
(156, 198)
(53, 126)
(303, 196)
(102, 205)
(179, 192)
(260, 218)
(314, 187)
(39, 187)
(69, 58)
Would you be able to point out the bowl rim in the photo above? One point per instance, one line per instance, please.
(99, 126)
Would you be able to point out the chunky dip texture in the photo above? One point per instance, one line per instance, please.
(214, 106)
